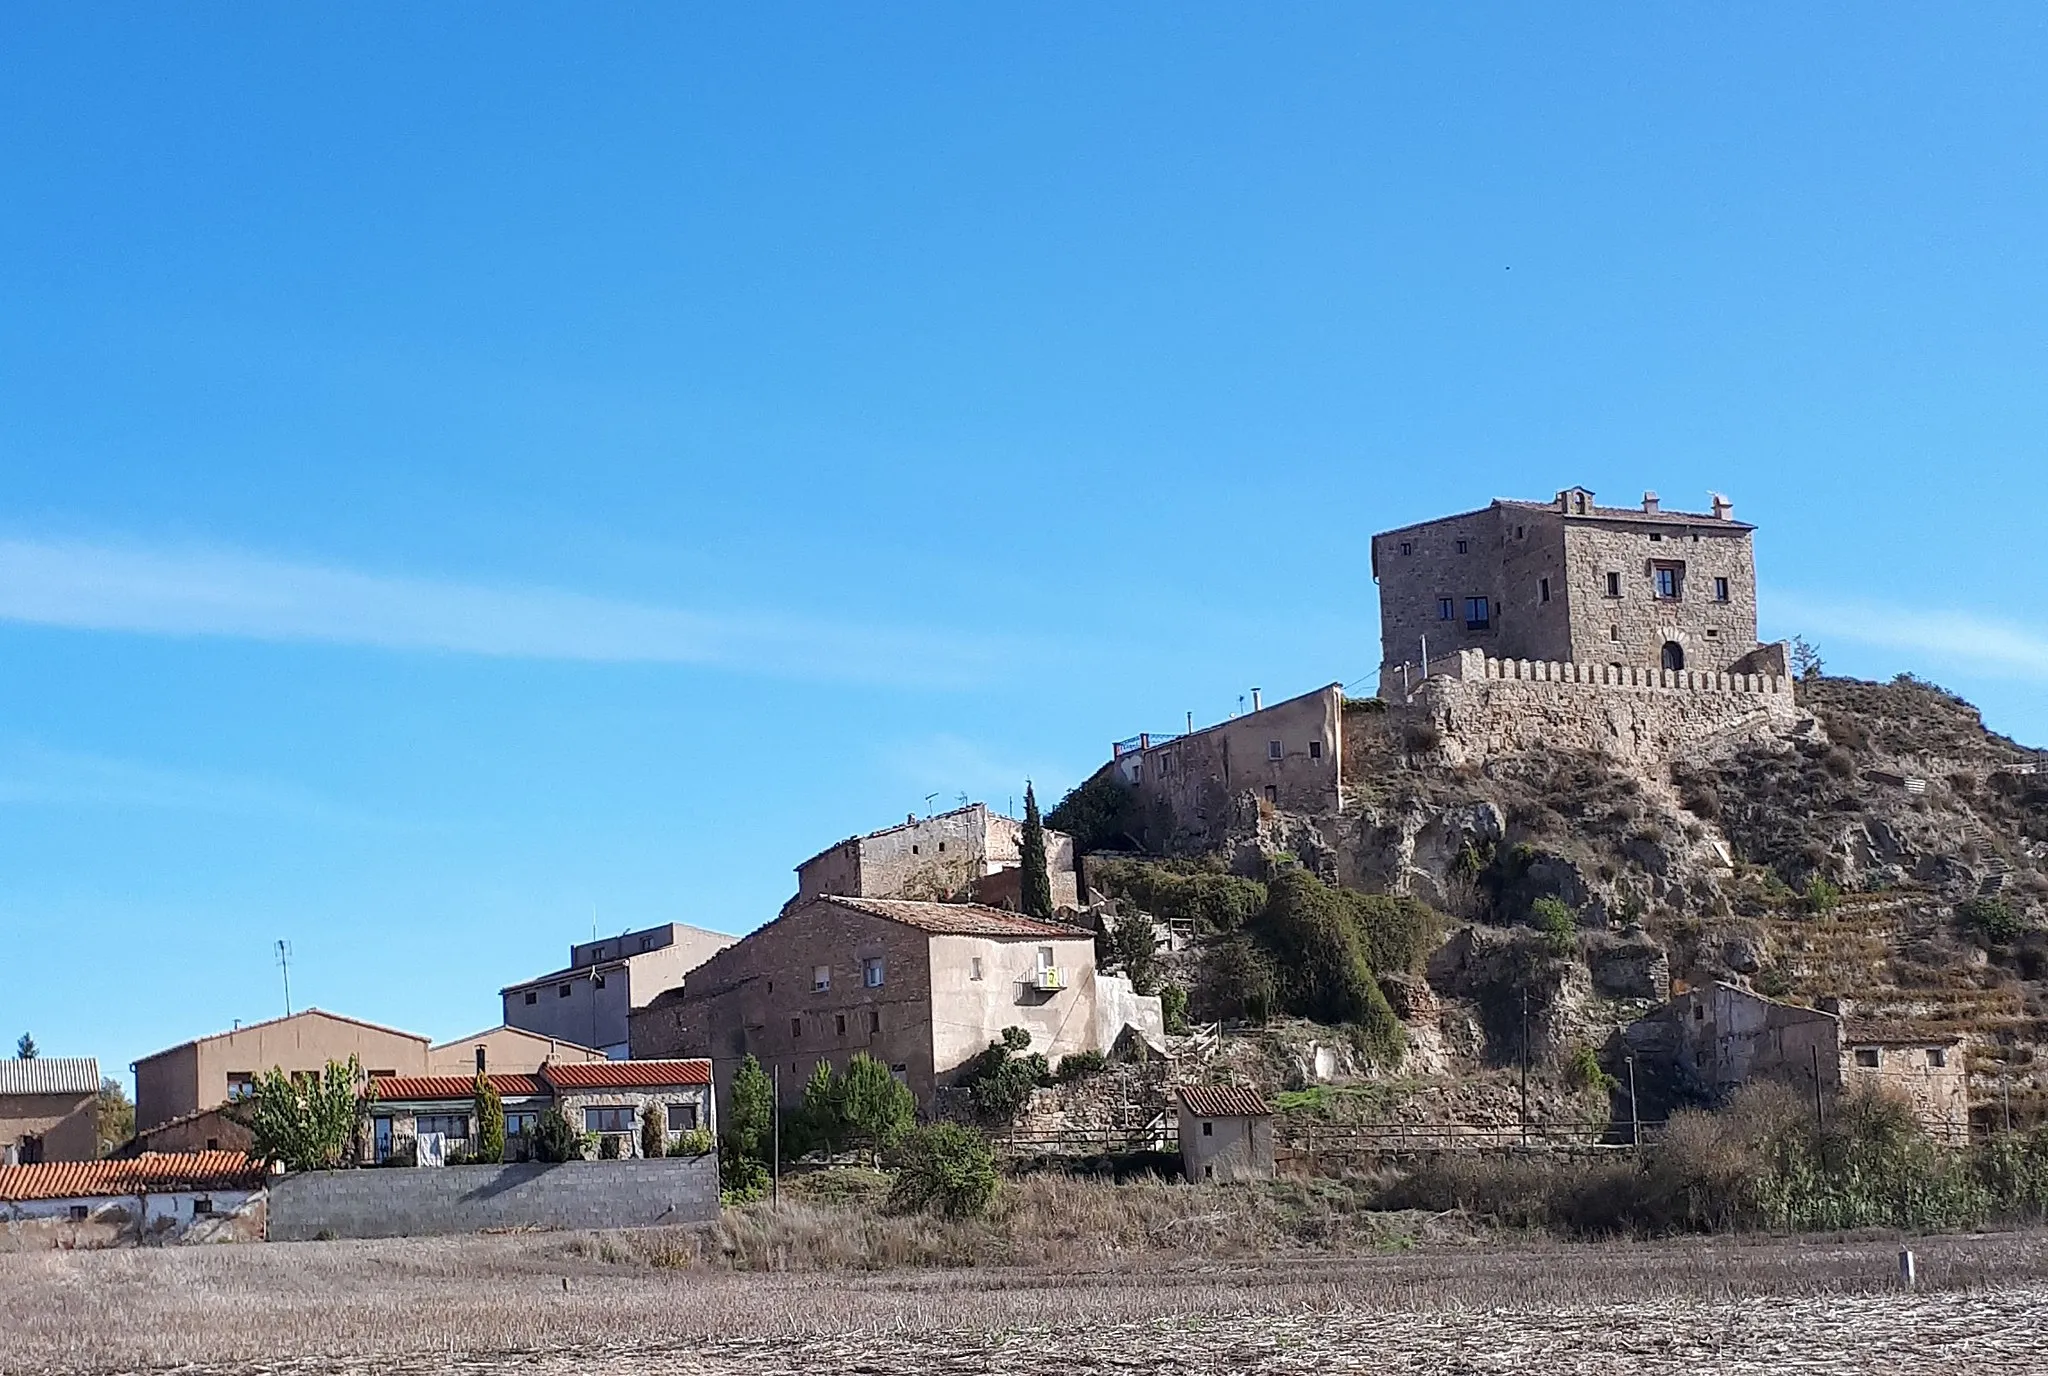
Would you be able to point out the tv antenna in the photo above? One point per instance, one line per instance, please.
(928, 803)
(284, 965)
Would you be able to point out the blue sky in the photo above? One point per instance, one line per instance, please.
(465, 476)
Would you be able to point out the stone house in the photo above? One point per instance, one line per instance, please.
(1725, 1036)
(1226, 1134)
(1189, 788)
(49, 1109)
(922, 987)
(511, 1049)
(1569, 581)
(608, 1098)
(184, 1196)
(589, 1001)
(209, 1129)
(211, 1071)
(968, 853)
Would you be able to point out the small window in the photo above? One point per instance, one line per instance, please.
(796, 1029)
(1699, 1012)
(1208, 1172)
(682, 1117)
(1868, 1057)
(646, 943)
(241, 1084)
(1273, 750)
(1446, 609)
(1614, 585)
(1045, 957)
(1208, 1129)
(1543, 589)
(1655, 538)
(1464, 546)
(839, 1024)
(900, 1072)
(533, 996)
(1720, 590)
(974, 968)
(821, 978)
(1272, 795)
(608, 1119)
(871, 972)
(1407, 547)
(1614, 633)
(1478, 614)
(561, 991)
(521, 1124)
(942, 847)
(202, 1206)
(1518, 532)
(213, 1144)
(1315, 750)
(874, 1019)
(1937, 1057)
(78, 1212)
(454, 1125)
(913, 850)
(597, 981)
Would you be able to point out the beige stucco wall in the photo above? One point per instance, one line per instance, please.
(195, 1076)
(1231, 1149)
(969, 1013)
(68, 1124)
(507, 1051)
(1187, 788)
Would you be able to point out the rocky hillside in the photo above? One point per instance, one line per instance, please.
(1887, 849)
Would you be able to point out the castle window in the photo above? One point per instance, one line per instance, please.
(1446, 609)
(875, 1017)
(1518, 532)
(796, 1029)
(1273, 750)
(1936, 1057)
(1614, 633)
(1720, 590)
(1315, 750)
(1464, 546)
(1543, 589)
(1272, 795)
(1656, 538)
(1670, 582)
(1407, 547)
(913, 850)
(974, 968)
(1869, 1057)
(1478, 614)
(1614, 585)
(942, 847)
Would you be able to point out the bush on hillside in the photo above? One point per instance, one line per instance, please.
(1989, 921)
(1559, 928)
(1100, 814)
(944, 1168)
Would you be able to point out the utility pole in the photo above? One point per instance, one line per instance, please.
(775, 1169)
(284, 965)
(1635, 1119)
(1525, 1066)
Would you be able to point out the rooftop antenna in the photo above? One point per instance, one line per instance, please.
(963, 800)
(284, 965)
(928, 803)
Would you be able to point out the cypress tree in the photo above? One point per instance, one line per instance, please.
(1035, 882)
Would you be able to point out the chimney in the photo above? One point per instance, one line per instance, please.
(480, 1060)
(1723, 508)
(1255, 699)
(1650, 503)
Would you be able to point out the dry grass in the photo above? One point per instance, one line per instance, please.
(1167, 1264)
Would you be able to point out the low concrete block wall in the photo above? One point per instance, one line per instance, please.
(407, 1202)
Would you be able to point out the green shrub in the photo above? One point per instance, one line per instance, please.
(1821, 896)
(1173, 1004)
(1559, 928)
(1989, 920)
(310, 1124)
(611, 1146)
(1584, 1072)
(944, 1168)
(1238, 976)
(554, 1139)
(695, 1142)
(742, 1177)
(653, 1132)
(1079, 1065)
(875, 1108)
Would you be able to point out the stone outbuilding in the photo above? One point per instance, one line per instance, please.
(1226, 1133)
(970, 853)
(49, 1109)
(158, 1197)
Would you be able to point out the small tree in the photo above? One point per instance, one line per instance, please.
(307, 1122)
(821, 1122)
(945, 1168)
(1173, 1004)
(490, 1122)
(554, 1139)
(1136, 943)
(25, 1049)
(653, 1131)
(1035, 880)
(1555, 921)
(1001, 1081)
(114, 1116)
(876, 1108)
(1806, 661)
(752, 1114)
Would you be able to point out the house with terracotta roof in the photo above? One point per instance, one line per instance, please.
(49, 1109)
(210, 1071)
(922, 987)
(155, 1197)
(602, 1097)
(1226, 1133)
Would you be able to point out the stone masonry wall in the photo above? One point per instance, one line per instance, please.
(405, 1202)
(1481, 707)
(1634, 627)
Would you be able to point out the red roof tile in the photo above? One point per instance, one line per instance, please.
(151, 1173)
(407, 1088)
(1224, 1101)
(625, 1074)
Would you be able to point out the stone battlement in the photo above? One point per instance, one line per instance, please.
(1474, 666)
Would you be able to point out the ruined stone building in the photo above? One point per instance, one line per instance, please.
(1570, 581)
(968, 853)
(922, 987)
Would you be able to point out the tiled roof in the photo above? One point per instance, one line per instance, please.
(958, 919)
(1224, 1101)
(271, 1022)
(393, 1089)
(50, 1075)
(151, 1173)
(1629, 513)
(625, 1074)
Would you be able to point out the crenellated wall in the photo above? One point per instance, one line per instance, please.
(1477, 707)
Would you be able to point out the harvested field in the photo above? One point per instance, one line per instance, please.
(548, 1303)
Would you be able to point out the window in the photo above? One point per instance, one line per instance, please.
(821, 978)
(1464, 546)
(1614, 585)
(1273, 750)
(447, 1124)
(521, 1124)
(871, 972)
(1670, 582)
(1614, 633)
(1937, 1057)
(1208, 1129)
(1543, 589)
(533, 996)
(1315, 750)
(1272, 795)
(1674, 655)
(1655, 538)
(839, 1024)
(380, 1138)
(796, 1029)
(1868, 1057)
(597, 981)
(974, 968)
(682, 1117)
(1407, 547)
(202, 1206)
(646, 943)
(1208, 1172)
(213, 1144)
(78, 1212)
(1699, 1012)
(1045, 958)
(1518, 532)
(241, 1084)
(561, 991)
(1720, 590)
(1446, 609)
(913, 850)
(1478, 614)
(942, 847)
(900, 1073)
(875, 1017)
(619, 1119)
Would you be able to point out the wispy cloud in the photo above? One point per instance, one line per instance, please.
(1998, 647)
(35, 775)
(205, 592)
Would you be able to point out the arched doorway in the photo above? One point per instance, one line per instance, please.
(1674, 655)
